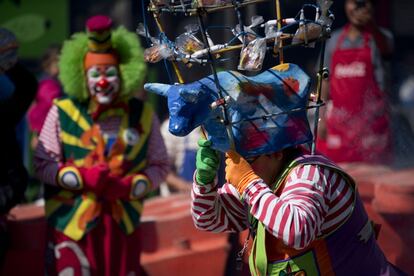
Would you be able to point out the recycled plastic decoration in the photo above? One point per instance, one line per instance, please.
(228, 104)
(267, 111)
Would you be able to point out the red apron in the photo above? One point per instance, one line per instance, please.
(358, 124)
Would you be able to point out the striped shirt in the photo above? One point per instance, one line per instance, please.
(48, 153)
(314, 201)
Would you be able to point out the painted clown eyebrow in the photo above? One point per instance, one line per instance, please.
(104, 69)
(111, 71)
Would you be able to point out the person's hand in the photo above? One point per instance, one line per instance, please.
(239, 173)
(126, 187)
(207, 162)
(92, 179)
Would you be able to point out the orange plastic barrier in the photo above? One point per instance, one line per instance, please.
(171, 243)
(173, 246)
(25, 256)
(394, 202)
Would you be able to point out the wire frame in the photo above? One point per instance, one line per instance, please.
(202, 8)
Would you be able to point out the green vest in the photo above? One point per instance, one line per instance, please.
(75, 213)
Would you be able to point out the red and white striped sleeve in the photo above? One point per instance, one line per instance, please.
(48, 152)
(218, 210)
(314, 201)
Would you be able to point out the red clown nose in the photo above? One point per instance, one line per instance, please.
(103, 83)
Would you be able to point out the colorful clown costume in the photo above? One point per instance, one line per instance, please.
(100, 152)
(311, 221)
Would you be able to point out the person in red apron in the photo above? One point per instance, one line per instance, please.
(357, 116)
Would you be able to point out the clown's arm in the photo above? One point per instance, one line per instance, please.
(218, 209)
(213, 209)
(48, 153)
(313, 202)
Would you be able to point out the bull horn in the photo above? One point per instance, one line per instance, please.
(157, 88)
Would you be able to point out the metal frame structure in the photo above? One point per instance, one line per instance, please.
(207, 55)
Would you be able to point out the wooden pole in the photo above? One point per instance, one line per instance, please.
(174, 64)
(279, 26)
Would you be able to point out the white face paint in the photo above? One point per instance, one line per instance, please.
(103, 83)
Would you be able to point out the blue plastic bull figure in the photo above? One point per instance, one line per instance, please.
(267, 112)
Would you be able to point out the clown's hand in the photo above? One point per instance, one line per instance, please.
(239, 173)
(128, 187)
(207, 162)
(75, 178)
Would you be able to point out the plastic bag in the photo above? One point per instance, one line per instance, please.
(306, 33)
(252, 56)
(188, 43)
(140, 30)
(324, 5)
(250, 34)
(157, 52)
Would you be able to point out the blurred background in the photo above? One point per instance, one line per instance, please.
(41, 23)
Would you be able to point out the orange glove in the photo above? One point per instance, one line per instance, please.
(239, 173)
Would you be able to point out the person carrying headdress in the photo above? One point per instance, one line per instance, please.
(303, 211)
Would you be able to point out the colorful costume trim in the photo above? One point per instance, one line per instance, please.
(140, 186)
(70, 178)
(83, 144)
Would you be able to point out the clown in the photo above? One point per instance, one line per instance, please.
(101, 152)
(303, 211)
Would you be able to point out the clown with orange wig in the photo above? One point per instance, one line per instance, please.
(101, 152)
